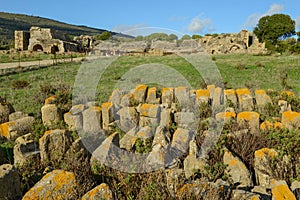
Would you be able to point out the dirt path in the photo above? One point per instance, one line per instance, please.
(13, 65)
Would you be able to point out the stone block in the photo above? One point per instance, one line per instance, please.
(167, 96)
(140, 93)
(102, 191)
(107, 115)
(202, 96)
(262, 99)
(91, 120)
(245, 99)
(182, 98)
(129, 118)
(51, 115)
(74, 122)
(10, 183)
(231, 96)
(151, 96)
(225, 116)
(150, 110)
(290, 120)
(249, 118)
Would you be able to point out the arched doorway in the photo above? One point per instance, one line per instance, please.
(54, 49)
(38, 47)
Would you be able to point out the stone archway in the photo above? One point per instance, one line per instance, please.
(54, 49)
(37, 47)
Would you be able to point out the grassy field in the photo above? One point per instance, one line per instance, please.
(265, 72)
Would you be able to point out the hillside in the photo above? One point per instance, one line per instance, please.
(10, 22)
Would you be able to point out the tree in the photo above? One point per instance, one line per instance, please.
(185, 37)
(196, 36)
(103, 36)
(172, 37)
(298, 34)
(275, 27)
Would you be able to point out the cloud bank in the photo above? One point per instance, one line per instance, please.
(253, 19)
(200, 25)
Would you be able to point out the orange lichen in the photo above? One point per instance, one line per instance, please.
(249, 116)
(96, 108)
(148, 110)
(140, 87)
(211, 87)
(290, 116)
(258, 92)
(269, 125)
(4, 129)
(261, 153)
(107, 105)
(289, 93)
(226, 115)
(202, 93)
(229, 92)
(243, 91)
(51, 100)
(282, 192)
(167, 90)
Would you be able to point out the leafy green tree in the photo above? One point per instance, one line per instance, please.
(139, 38)
(275, 27)
(298, 34)
(103, 36)
(196, 36)
(185, 37)
(172, 37)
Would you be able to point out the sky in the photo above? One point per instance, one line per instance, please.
(139, 17)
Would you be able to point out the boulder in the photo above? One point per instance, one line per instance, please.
(174, 178)
(17, 115)
(245, 99)
(237, 170)
(15, 129)
(51, 115)
(74, 122)
(182, 97)
(281, 191)
(262, 158)
(54, 144)
(102, 191)
(249, 118)
(25, 150)
(91, 120)
(140, 93)
(290, 120)
(107, 115)
(167, 97)
(152, 97)
(10, 183)
(5, 109)
(128, 118)
(58, 184)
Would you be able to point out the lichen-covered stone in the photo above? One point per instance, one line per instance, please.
(91, 120)
(10, 183)
(5, 109)
(107, 115)
(150, 110)
(290, 119)
(202, 96)
(51, 115)
(174, 178)
(225, 116)
(102, 191)
(245, 195)
(250, 118)
(211, 89)
(140, 93)
(162, 137)
(151, 96)
(230, 96)
(261, 162)
(281, 191)
(77, 109)
(15, 129)
(165, 117)
(245, 99)
(128, 140)
(17, 115)
(266, 125)
(58, 184)
(74, 122)
(128, 118)
(116, 97)
(54, 145)
(217, 97)
(167, 96)
(51, 100)
(180, 142)
(237, 170)
(182, 97)
(25, 150)
(262, 99)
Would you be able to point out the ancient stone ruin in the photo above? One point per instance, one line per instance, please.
(243, 42)
(161, 120)
(49, 41)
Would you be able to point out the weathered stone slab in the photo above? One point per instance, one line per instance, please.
(262, 99)
(51, 115)
(150, 110)
(10, 183)
(245, 99)
(107, 115)
(182, 97)
(290, 120)
(186, 120)
(167, 96)
(128, 118)
(152, 97)
(140, 93)
(250, 118)
(102, 191)
(231, 96)
(225, 116)
(202, 96)
(280, 190)
(180, 142)
(91, 120)
(17, 115)
(58, 184)
(74, 122)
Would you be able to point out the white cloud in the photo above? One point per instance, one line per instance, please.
(134, 29)
(200, 25)
(298, 22)
(274, 8)
(177, 19)
(253, 19)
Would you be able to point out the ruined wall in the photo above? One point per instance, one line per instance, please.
(243, 42)
(21, 40)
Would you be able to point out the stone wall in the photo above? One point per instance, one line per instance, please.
(22, 40)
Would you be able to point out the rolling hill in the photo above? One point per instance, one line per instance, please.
(10, 22)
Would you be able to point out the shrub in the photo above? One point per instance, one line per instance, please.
(20, 84)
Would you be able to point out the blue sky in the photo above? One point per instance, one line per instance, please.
(187, 17)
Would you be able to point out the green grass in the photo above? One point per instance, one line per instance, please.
(263, 72)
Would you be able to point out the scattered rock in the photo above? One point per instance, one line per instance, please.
(58, 184)
(10, 183)
(100, 192)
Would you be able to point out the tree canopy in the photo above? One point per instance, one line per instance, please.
(275, 27)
